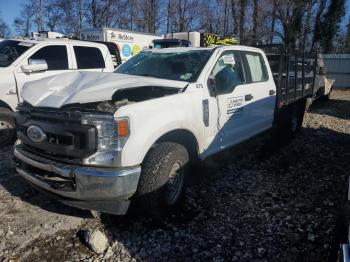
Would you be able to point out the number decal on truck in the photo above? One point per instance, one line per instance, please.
(235, 106)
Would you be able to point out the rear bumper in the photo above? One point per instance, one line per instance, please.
(100, 189)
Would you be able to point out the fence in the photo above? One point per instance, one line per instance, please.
(338, 68)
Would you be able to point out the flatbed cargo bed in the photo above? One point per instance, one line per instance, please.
(294, 72)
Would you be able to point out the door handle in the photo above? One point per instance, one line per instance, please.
(248, 97)
(272, 92)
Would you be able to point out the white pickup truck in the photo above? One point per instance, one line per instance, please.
(101, 140)
(25, 60)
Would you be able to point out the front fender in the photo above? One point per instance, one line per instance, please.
(150, 120)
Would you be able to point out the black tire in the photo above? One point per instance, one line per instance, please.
(154, 194)
(290, 121)
(7, 127)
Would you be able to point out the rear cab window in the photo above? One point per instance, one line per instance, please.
(254, 67)
(55, 56)
(89, 57)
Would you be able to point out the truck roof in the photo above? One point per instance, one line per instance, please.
(185, 49)
(52, 41)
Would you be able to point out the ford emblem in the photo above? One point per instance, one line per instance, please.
(36, 134)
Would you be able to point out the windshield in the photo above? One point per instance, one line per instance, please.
(179, 66)
(10, 50)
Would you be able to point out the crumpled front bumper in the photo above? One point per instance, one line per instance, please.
(101, 189)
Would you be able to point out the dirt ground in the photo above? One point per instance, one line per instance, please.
(268, 205)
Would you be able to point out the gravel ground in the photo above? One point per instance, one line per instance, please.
(267, 205)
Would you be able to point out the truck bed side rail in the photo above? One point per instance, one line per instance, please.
(294, 72)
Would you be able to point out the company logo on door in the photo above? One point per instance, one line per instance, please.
(122, 37)
(235, 106)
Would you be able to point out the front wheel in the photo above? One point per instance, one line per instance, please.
(7, 127)
(162, 182)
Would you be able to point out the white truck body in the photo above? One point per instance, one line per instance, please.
(129, 42)
(186, 110)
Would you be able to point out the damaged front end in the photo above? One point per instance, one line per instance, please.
(73, 150)
(78, 160)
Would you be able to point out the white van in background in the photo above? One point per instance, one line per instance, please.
(25, 60)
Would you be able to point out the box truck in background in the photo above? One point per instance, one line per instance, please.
(128, 42)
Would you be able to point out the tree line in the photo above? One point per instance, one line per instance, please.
(307, 24)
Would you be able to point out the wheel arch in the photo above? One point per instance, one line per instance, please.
(183, 137)
(5, 105)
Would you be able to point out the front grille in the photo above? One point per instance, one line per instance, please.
(52, 155)
(67, 140)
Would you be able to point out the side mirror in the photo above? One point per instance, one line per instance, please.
(34, 65)
(211, 86)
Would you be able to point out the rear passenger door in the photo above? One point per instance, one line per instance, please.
(260, 95)
(88, 58)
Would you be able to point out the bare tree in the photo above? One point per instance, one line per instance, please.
(242, 6)
(347, 39)
(234, 12)
(53, 15)
(255, 19)
(317, 25)
(4, 28)
(23, 24)
(273, 21)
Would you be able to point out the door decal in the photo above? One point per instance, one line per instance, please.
(235, 106)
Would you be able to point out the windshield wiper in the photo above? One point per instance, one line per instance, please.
(148, 75)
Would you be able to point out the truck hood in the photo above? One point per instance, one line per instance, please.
(85, 87)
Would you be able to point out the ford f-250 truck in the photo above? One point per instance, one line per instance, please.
(99, 141)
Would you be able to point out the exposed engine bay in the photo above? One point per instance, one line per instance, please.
(124, 97)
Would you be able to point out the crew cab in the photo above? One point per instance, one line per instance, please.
(25, 60)
(100, 141)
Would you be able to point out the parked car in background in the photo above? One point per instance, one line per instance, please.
(25, 60)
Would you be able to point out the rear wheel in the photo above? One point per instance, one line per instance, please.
(7, 127)
(162, 182)
(291, 120)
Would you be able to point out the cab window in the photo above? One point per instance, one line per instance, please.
(255, 67)
(55, 56)
(89, 57)
(227, 73)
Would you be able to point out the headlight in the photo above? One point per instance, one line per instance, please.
(112, 135)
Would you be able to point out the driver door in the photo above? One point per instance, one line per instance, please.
(233, 122)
